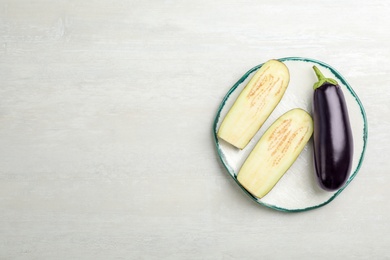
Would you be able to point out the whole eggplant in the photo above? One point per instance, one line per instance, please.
(333, 142)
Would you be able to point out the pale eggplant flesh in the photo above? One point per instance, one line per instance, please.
(254, 104)
(275, 152)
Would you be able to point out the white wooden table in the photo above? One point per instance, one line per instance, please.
(106, 109)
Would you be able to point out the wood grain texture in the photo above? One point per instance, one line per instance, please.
(106, 110)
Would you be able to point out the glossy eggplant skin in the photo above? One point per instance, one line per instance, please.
(332, 138)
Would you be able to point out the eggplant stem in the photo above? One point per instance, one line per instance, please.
(319, 74)
(321, 79)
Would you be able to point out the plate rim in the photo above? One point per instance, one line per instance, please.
(230, 172)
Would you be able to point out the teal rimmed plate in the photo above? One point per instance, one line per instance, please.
(297, 190)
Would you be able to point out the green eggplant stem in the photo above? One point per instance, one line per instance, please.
(321, 79)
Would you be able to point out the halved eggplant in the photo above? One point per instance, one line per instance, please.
(275, 152)
(254, 104)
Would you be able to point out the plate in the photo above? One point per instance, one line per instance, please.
(297, 190)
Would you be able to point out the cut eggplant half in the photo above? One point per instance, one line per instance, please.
(275, 152)
(254, 104)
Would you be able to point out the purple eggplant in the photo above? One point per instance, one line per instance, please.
(333, 142)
